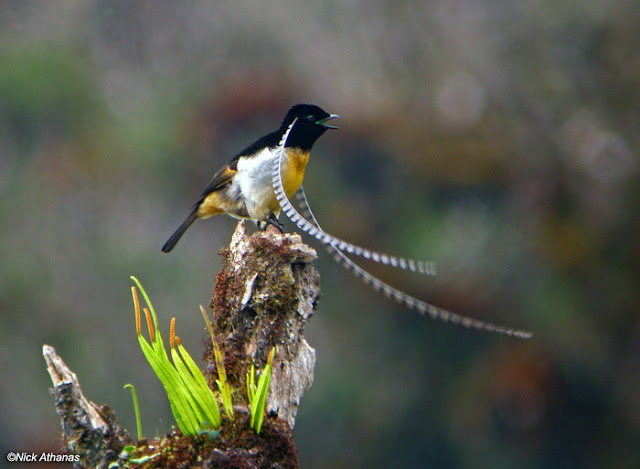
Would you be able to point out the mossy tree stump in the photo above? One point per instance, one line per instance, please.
(266, 292)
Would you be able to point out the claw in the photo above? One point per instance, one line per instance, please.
(273, 221)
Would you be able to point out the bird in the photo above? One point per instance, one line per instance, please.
(242, 188)
(258, 183)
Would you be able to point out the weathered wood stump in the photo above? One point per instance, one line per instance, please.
(266, 292)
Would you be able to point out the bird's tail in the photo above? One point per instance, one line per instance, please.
(175, 237)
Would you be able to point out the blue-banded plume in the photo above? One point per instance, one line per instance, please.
(338, 247)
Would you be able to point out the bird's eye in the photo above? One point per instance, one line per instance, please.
(311, 118)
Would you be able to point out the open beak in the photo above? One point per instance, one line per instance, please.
(322, 121)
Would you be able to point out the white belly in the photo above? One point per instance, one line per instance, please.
(253, 180)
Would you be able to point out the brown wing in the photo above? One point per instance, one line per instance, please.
(221, 178)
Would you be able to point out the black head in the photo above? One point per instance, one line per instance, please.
(311, 124)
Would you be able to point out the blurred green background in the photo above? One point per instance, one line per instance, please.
(499, 139)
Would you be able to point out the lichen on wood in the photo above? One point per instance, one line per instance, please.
(89, 431)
